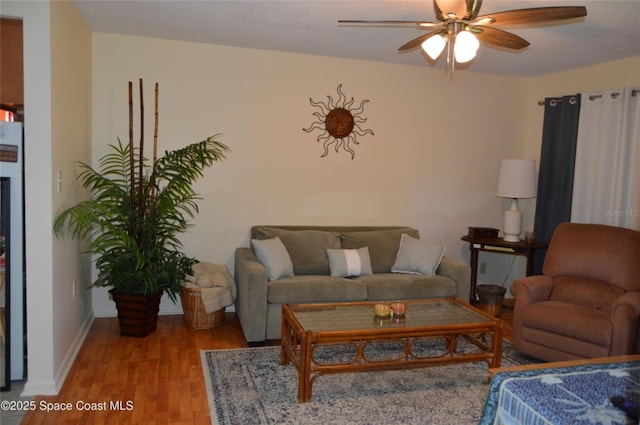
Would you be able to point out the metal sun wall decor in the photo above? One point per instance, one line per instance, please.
(339, 123)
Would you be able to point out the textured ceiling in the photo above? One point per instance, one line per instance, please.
(610, 31)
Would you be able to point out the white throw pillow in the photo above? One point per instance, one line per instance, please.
(417, 256)
(274, 257)
(349, 262)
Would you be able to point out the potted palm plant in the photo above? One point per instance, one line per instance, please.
(135, 211)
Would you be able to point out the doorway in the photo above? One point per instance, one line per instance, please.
(13, 292)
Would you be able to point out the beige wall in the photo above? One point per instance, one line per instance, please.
(70, 142)
(433, 162)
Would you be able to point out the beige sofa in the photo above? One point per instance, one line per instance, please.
(319, 273)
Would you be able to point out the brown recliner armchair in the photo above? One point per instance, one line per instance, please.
(586, 303)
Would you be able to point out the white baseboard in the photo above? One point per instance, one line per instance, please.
(53, 387)
(32, 389)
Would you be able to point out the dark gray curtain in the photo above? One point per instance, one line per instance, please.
(557, 160)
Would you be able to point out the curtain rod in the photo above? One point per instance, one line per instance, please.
(592, 97)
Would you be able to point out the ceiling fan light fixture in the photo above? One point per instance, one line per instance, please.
(458, 26)
(466, 46)
(433, 46)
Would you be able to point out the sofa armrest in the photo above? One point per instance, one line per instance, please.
(532, 289)
(251, 303)
(527, 290)
(624, 317)
(460, 272)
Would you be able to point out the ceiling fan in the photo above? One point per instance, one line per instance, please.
(460, 28)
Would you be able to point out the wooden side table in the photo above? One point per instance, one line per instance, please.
(497, 246)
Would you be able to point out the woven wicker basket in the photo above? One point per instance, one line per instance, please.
(194, 313)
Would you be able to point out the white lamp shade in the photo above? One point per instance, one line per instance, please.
(434, 45)
(465, 47)
(517, 178)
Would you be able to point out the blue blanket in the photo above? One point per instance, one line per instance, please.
(569, 395)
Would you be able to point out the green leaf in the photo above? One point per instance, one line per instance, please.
(133, 229)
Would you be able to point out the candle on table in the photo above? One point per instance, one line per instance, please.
(398, 309)
(381, 309)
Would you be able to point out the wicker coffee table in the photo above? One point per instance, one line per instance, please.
(308, 329)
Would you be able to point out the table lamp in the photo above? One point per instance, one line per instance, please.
(517, 180)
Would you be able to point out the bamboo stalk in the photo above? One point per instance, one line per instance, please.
(131, 163)
(141, 156)
(155, 129)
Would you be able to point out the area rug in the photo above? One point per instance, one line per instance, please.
(250, 386)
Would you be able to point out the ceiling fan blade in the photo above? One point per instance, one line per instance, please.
(417, 41)
(500, 38)
(391, 23)
(536, 15)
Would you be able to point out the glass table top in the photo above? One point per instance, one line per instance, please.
(361, 316)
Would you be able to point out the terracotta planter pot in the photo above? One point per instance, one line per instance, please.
(137, 314)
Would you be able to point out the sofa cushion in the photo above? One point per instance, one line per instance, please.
(575, 321)
(274, 257)
(395, 286)
(307, 248)
(417, 256)
(383, 245)
(315, 289)
(349, 262)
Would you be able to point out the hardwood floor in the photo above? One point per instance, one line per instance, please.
(157, 379)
